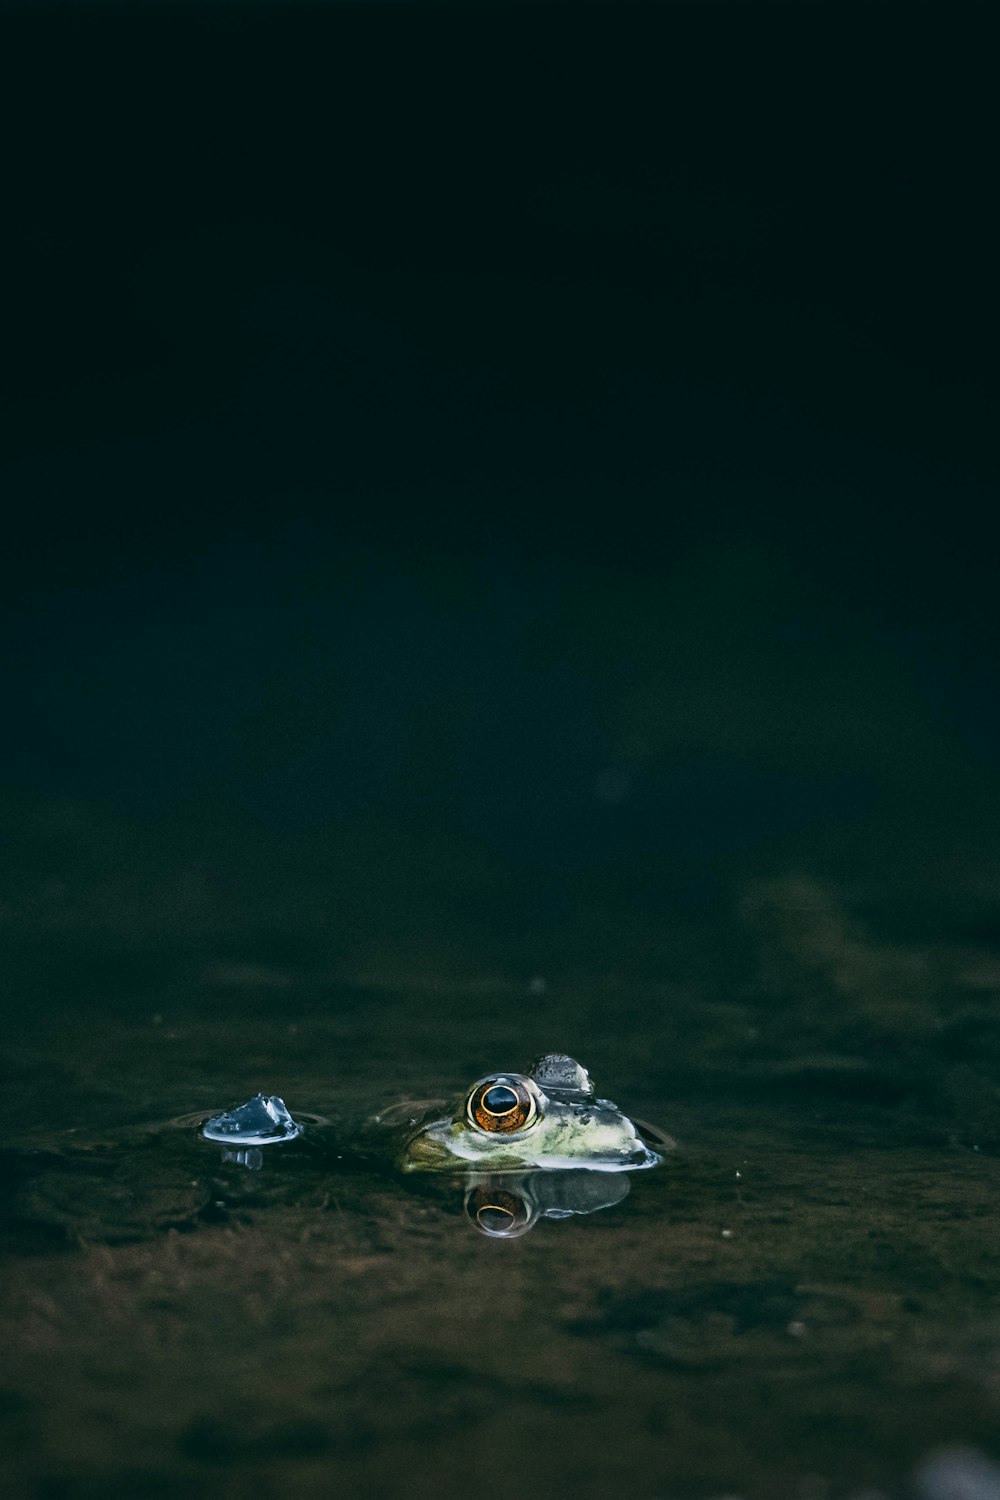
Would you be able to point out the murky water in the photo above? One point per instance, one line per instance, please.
(802, 1302)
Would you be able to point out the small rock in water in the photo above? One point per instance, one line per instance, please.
(957, 1474)
(260, 1122)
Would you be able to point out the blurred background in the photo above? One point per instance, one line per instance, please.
(487, 478)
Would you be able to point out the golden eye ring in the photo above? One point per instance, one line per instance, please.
(502, 1105)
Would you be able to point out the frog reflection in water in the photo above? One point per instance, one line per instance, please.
(547, 1118)
(504, 1205)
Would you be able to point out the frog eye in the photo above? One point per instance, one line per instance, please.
(502, 1105)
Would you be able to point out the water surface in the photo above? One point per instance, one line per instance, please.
(803, 1301)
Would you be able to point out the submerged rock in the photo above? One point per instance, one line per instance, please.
(262, 1121)
(957, 1474)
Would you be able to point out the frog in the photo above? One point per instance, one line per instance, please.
(547, 1119)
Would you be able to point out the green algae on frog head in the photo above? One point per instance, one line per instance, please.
(547, 1118)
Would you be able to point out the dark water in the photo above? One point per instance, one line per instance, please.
(803, 1301)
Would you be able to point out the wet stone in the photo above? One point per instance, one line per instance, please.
(957, 1474)
(262, 1121)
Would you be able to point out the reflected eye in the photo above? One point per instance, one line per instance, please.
(501, 1104)
(496, 1212)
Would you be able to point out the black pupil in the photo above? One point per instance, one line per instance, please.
(500, 1100)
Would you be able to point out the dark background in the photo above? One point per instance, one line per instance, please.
(485, 479)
